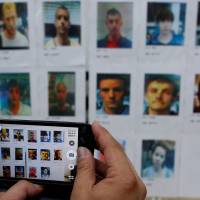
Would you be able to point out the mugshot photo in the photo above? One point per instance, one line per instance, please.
(32, 136)
(158, 159)
(32, 154)
(166, 23)
(58, 136)
(196, 98)
(57, 154)
(45, 136)
(6, 171)
(162, 94)
(45, 154)
(113, 94)
(61, 93)
(14, 25)
(62, 24)
(114, 25)
(15, 94)
(45, 172)
(32, 172)
(19, 171)
(198, 26)
(4, 135)
(18, 135)
(18, 153)
(5, 153)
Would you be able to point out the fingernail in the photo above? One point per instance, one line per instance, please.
(82, 153)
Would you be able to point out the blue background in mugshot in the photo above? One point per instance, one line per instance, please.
(49, 19)
(179, 12)
(24, 88)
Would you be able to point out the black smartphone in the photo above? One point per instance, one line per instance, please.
(43, 152)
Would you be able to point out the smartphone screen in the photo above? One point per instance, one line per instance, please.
(40, 152)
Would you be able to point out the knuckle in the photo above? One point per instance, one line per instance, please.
(130, 183)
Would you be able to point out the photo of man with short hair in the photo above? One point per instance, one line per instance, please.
(32, 136)
(158, 158)
(14, 29)
(166, 23)
(62, 94)
(161, 94)
(114, 25)
(57, 154)
(113, 94)
(45, 172)
(32, 154)
(58, 136)
(15, 94)
(61, 29)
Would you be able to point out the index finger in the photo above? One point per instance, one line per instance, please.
(112, 150)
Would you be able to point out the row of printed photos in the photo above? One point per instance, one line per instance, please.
(34, 154)
(115, 28)
(24, 137)
(50, 95)
(44, 172)
(146, 99)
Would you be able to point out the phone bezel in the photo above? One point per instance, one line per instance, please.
(85, 139)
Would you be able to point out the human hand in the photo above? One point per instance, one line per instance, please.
(119, 178)
(21, 191)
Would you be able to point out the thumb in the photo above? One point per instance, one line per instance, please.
(85, 177)
(22, 190)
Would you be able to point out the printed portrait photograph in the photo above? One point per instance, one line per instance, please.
(58, 136)
(45, 136)
(166, 23)
(32, 154)
(19, 171)
(61, 93)
(6, 171)
(113, 94)
(62, 24)
(4, 135)
(18, 135)
(18, 153)
(32, 172)
(162, 94)
(57, 154)
(158, 158)
(198, 26)
(45, 154)
(5, 153)
(32, 136)
(14, 27)
(196, 98)
(15, 94)
(45, 172)
(115, 25)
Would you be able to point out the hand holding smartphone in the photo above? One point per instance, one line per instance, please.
(41, 151)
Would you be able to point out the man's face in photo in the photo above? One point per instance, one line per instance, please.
(62, 22)
(112, 93)
(14, 95)
(160, 95)
(61, 93)
(114, 23)
(165, 27)
(10, 21)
